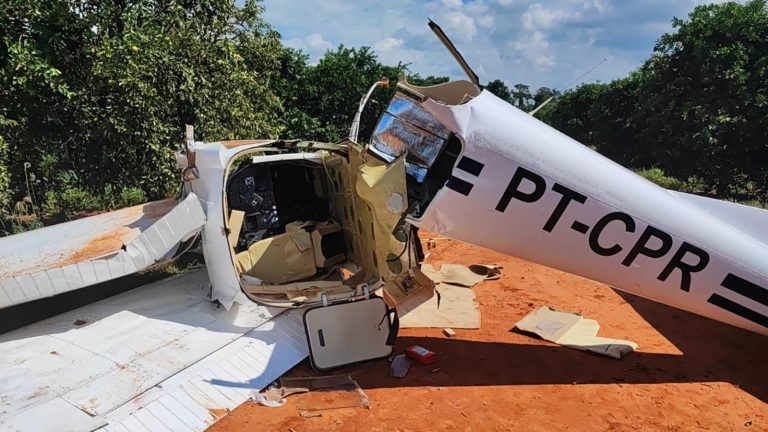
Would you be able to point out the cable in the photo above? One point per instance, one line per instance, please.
(407, 244)
(584, 74)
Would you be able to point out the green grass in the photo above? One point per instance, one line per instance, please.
(658, 176)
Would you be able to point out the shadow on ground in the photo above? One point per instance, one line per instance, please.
(712, 352)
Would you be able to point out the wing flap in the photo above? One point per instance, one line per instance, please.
(116, 244)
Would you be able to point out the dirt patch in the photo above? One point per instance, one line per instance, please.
(100, 245)
(37, 393)
(689, 373)
(123, 229)
(80, 322)
(218, 412)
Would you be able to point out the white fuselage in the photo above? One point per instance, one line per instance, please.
(523, 188)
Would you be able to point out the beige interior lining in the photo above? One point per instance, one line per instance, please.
(235, 225)
(450, 93)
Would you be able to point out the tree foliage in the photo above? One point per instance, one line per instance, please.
(321, 100)
(94, 96)
(500, 89)
(521, 95)
(98, 92)
(698, 108)
(430, 80)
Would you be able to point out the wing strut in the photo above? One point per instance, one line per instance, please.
(455, 53)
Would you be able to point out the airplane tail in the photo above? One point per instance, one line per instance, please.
(750, 220)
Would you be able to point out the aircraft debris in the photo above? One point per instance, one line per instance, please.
(327, 392)
(468, 276)
(573, 331)
(421, 354)
(333, 342)
(451, 303)
(261, 399)
(400, 366)
(274, 396)
(322, 393)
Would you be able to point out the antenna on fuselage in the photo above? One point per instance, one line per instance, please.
(543, 104)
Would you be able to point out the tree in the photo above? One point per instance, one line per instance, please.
(326, 95)
(500, 89)
(94, 94)
(542, 94)
(431, 80)
(521, 95)
(696, 108)
(707, 91)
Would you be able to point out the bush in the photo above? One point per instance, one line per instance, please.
(755, 203)
(101, 91)
(5, 192)
(51, 203)
(131, 196)
(75, 199)
(657, 176)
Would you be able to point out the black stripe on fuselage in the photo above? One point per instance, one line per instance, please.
(740, 310)
(470, 165)
(746, 288)
(459, 185)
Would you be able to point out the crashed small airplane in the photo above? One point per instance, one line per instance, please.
(291, 227)
(291, 224)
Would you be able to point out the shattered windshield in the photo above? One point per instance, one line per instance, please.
(406, 128)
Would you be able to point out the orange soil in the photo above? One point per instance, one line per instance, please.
(689, 373)
(111, 241)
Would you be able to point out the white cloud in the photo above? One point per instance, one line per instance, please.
(544, 62)
(313, 44)
(540, 17)
(534, 49)
(534, 42)
(387, 44)
(537, 42)
(458, 25)
(485, 21)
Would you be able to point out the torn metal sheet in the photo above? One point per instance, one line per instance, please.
(444, 306)
(73, 255)
(382, 195)
(449, 302)
(574, 331)
(328, 392)
(457, 274)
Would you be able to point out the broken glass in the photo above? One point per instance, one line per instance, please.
(406, 128)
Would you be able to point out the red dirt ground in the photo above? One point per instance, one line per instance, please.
(689, 373)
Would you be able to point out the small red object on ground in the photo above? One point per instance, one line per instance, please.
(420, 354)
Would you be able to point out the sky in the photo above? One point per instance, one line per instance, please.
(539, 43)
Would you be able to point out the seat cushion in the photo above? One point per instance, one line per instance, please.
(279, 259)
